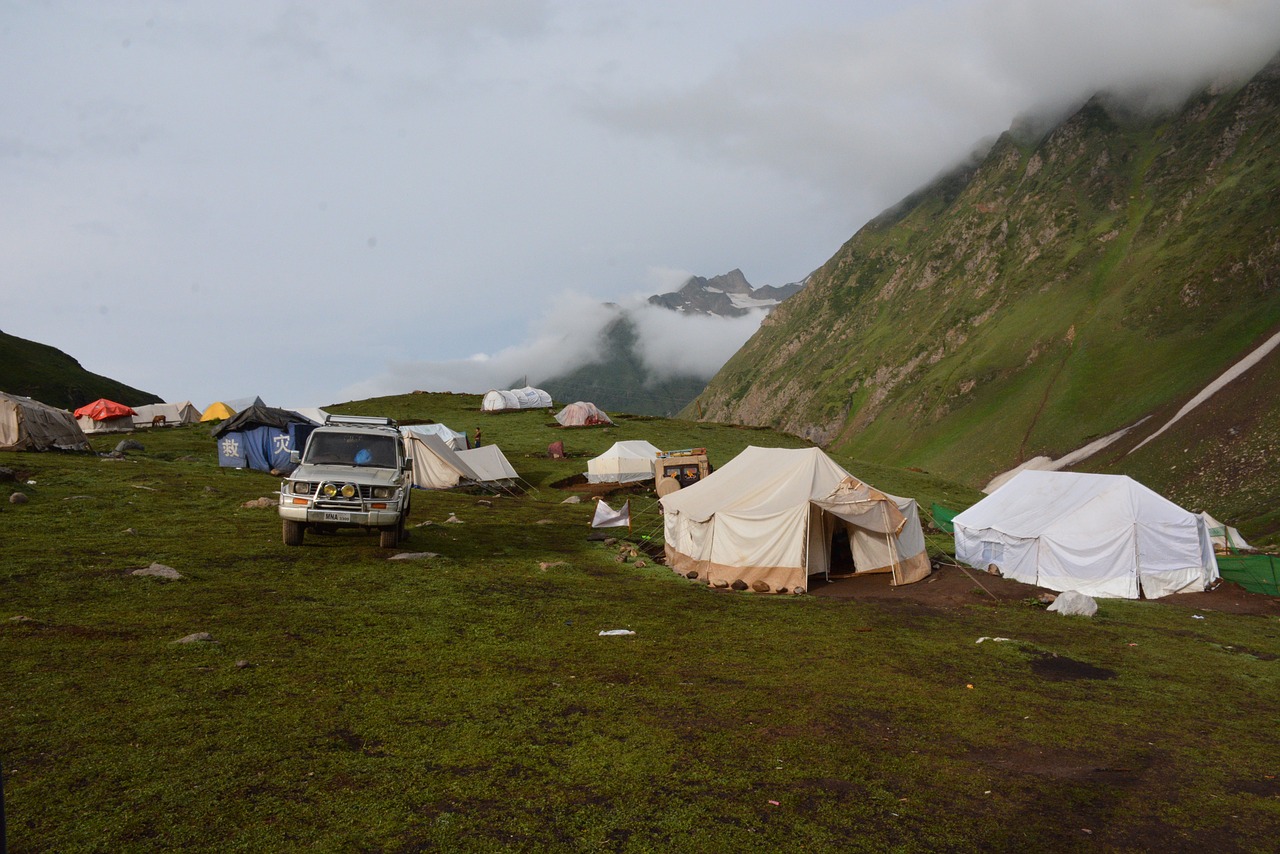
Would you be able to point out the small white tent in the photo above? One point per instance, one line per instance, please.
(1224, 537)
(1099, 534)
(625, 462)
(166, 415)
(773, 515)
(489, 464)
(455, 440)
(516, 398)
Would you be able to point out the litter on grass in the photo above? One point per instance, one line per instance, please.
(615, 632)
(997, 640)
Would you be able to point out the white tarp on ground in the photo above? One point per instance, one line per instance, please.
(455, 440)
(625, 462)
(771, 514)
(516, 398)
(165, 414)
(489, 464)
(1101, 535)
(1224, 536)
(435, 464)
(29, 425)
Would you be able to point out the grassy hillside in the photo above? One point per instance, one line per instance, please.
(1056, 291)
(50, 376)
(467, 702)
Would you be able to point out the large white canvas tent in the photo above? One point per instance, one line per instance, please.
(166, 415)
(775, 515)
(583, 413)
(517, 398)
(1099, 534)
(626, 462)
(29, 425)
(455, 440)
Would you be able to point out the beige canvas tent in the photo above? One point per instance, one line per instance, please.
(625, 462)
(779, 516)
(435, 464)
(455, 440)
(29, 425)
(166, 415)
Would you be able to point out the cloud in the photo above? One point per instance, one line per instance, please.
(869, 110)
(568, 336)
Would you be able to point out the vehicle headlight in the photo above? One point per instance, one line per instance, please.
(383, 492)
(329, 490)
(348, 490)
(300, 488)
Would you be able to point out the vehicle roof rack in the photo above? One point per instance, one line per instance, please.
(361, 420)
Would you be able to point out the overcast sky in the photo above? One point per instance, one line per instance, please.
(314, 201)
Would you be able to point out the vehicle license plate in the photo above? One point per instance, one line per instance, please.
(337, 517)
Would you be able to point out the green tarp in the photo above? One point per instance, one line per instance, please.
(1255, 573)
(942, 518)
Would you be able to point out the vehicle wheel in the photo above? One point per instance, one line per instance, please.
(388, 536)
(403, 528)
(293, 532)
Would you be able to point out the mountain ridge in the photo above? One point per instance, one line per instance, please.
(1049, 293)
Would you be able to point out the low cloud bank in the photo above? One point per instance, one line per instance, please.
(568, 336)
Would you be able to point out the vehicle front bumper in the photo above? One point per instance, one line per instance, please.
(330, 515)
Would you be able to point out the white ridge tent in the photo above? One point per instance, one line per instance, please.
(1102, 535)
(29, 425)
(455, 440)
(1225, 537)
(173, 415)
(435, 464)
(771, 515)
(626, 462)
(516, 398)
(489, 464)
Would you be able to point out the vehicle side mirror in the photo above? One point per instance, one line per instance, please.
(295, 457)
(408, 464)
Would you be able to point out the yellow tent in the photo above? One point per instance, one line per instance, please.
(217, 412)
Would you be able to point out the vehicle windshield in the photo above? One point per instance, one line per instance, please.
(351, 449)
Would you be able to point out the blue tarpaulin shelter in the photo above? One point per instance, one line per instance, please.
(261, 438)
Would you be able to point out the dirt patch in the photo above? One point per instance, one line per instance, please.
(951, 586)
(947, 586)
(1059, 668)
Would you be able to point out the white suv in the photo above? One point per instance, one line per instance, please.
(353, 473)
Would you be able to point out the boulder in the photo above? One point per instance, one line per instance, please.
(1074, 604)
(18, 498)
(159, 570)
(760, 586)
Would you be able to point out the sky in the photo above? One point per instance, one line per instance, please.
(319, 201)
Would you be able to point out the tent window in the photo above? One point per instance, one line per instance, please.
(992, 552)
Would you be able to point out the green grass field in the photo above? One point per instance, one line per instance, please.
(467, 702)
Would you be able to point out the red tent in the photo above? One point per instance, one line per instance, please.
(102, 409)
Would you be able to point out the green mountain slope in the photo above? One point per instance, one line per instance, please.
(619, 381)
(50, 376)
(1056, 291)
